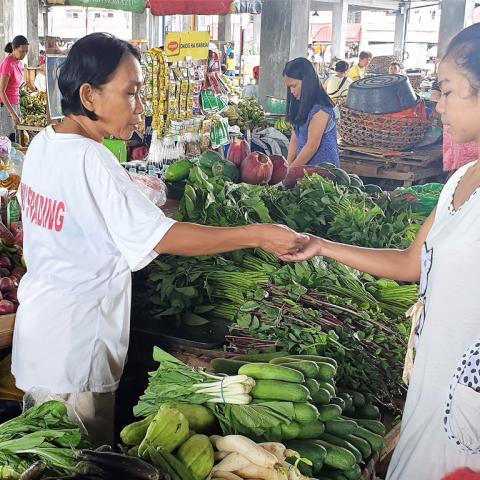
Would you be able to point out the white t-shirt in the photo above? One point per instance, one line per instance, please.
(87, 226)
(332, 86)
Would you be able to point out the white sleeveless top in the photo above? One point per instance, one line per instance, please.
(441, 423)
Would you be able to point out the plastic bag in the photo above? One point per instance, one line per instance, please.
(38, 396)
(152, 187)
(16, 162)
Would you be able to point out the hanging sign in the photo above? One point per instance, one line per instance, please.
(180, 45)
(137, 6)
(190, 7)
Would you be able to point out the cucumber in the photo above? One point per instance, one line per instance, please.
(290, 430)
(266, 371)
(329, 412)
(341, 427)
(178, 171)
(322, 397)
(340, 442)
(208, 158)
(368, 412)
(358, 398)
(305, 412)
(375, 441)
(311, 430)
(329, 387)
(355, 473)
(311, 451)
(338, 457)
(326, 371)
(260, 357)
(338, 401)
(280, 360)
(360, 444)
(278, 390)
(347, 398)
(349, 411)
(373, 425)
(312, 386)
(315, 358)
(309, 369)
(226, 365)
(341, 176)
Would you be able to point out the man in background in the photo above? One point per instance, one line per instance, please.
(358, 71)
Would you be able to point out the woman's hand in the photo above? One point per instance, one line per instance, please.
(281, 241)
(314, 247)
(17, 119)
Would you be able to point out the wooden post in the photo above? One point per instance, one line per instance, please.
(33, 8)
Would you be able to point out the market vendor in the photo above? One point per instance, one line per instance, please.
(358, 71)
(11, 79)
(87, 226)
(311, 111)
(441, 424)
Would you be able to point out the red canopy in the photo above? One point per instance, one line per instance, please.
(190, 7)
(323, 33)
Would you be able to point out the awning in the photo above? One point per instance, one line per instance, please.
(137, 6)
(323, 33)
(190, 7)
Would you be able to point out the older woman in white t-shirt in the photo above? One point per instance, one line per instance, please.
(87, 227)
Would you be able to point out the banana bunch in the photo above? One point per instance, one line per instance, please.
(283, 126)
(232, 115)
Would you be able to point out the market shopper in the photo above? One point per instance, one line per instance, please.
(358, 71)
(87, 227)
(311, 112)
(11, 79)
(441, 422)
(395, 68)
(337, 84)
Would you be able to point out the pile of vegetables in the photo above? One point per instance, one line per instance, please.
(250, 115)
(33, 108)
(12, 270)
(298, 424)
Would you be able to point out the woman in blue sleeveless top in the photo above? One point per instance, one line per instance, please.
(310, 111)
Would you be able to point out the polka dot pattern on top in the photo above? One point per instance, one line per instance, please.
(466, 374)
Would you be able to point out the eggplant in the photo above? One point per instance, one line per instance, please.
(132, 467)
(34, 472)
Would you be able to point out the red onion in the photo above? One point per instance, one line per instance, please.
(6, 307)
(5, 261)
(6, 284)
(19, 272)
(257, 169)
(280, 169)
(12, 296)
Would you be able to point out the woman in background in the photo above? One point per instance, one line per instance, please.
(11, 78)
(311, 112)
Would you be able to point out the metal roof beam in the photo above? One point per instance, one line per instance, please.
(363, 4)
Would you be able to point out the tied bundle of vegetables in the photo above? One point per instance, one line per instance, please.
(176, 382)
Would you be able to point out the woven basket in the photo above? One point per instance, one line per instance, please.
(380, 131)
(381, 63)
(416, 80)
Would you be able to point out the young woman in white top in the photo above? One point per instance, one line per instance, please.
(441, 421)
(87, 227)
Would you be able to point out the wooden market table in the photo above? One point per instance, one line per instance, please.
(407, 167)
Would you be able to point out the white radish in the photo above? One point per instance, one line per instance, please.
(275, 448)
(254, 471)
(219, 456)
(231, 463)
(248, 449)
(214, 439)
(226, 476)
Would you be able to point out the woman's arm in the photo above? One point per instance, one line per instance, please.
(402, 265)
(292, 149)
(317, 126)
(189, 239)
(4, 79)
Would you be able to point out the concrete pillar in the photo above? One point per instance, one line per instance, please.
(225, 28)
(33, 9)
(456, 15)
(339, 28)
(400, 32)
(139, 26)
(257, 32)
(284, 36)
(155, 33)
(8, 23)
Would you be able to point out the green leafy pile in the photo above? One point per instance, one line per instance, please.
(43, 433)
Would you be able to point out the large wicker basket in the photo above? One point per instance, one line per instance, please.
(380, 131)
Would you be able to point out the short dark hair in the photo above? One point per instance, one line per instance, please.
(363, 55)
(464, 51)
(342, 66)
(18, 41)
(312, 94)
(93, 59)
(395, 64)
